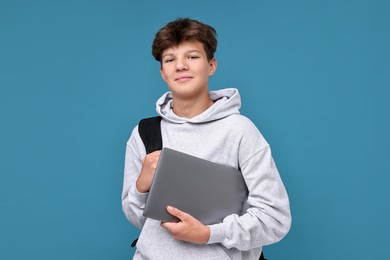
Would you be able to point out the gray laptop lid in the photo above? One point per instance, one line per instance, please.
(206, 190)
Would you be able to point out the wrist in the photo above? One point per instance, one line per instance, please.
(206, 235)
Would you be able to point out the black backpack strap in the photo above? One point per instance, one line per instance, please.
(150, 131)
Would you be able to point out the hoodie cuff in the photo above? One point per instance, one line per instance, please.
(140, 197)
(217, 233)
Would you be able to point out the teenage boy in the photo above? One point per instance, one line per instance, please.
(206, 124)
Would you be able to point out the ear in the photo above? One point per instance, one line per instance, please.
(213, 66)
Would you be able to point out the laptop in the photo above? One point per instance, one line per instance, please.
(208, 191)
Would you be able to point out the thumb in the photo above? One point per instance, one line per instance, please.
(168, 225)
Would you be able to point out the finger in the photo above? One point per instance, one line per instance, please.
(155, 154)
(151, 160)
(177, 213)
(154, 157)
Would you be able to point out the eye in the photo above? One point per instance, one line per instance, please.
(168, 60)
(193, 57)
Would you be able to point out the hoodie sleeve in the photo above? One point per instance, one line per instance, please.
(267, 219)
(133, 202)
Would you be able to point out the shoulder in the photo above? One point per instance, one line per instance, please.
(135, 143)
(249, 132)
(143, 127)
(242, 123)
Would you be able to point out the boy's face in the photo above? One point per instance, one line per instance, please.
(186, 69)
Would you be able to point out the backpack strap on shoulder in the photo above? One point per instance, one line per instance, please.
(150, 131)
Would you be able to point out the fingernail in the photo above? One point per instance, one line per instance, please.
(170, 208)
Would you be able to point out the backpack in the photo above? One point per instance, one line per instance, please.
(149, 130)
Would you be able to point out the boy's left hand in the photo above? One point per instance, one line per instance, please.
(188, 228)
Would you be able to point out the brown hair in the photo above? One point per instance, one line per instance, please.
(184, 29)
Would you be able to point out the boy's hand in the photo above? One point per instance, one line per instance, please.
(188, 228)
(149, 164)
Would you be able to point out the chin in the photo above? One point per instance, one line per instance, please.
(186, 92)
(183, 94)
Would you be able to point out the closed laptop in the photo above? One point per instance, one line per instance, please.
(208, 191)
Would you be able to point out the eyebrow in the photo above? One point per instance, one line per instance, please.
(189, 51)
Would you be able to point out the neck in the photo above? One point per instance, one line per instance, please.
(190, 108)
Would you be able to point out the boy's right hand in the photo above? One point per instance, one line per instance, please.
(149, 164)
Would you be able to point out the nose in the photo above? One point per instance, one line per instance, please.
(181, 64)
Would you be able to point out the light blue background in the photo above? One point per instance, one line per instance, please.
(76, 77)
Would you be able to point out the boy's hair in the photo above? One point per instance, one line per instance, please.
(184, 29)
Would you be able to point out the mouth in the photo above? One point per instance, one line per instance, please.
(183, 78)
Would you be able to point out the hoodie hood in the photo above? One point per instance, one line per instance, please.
(226, 102)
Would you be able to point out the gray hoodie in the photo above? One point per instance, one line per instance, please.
(220, 134)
